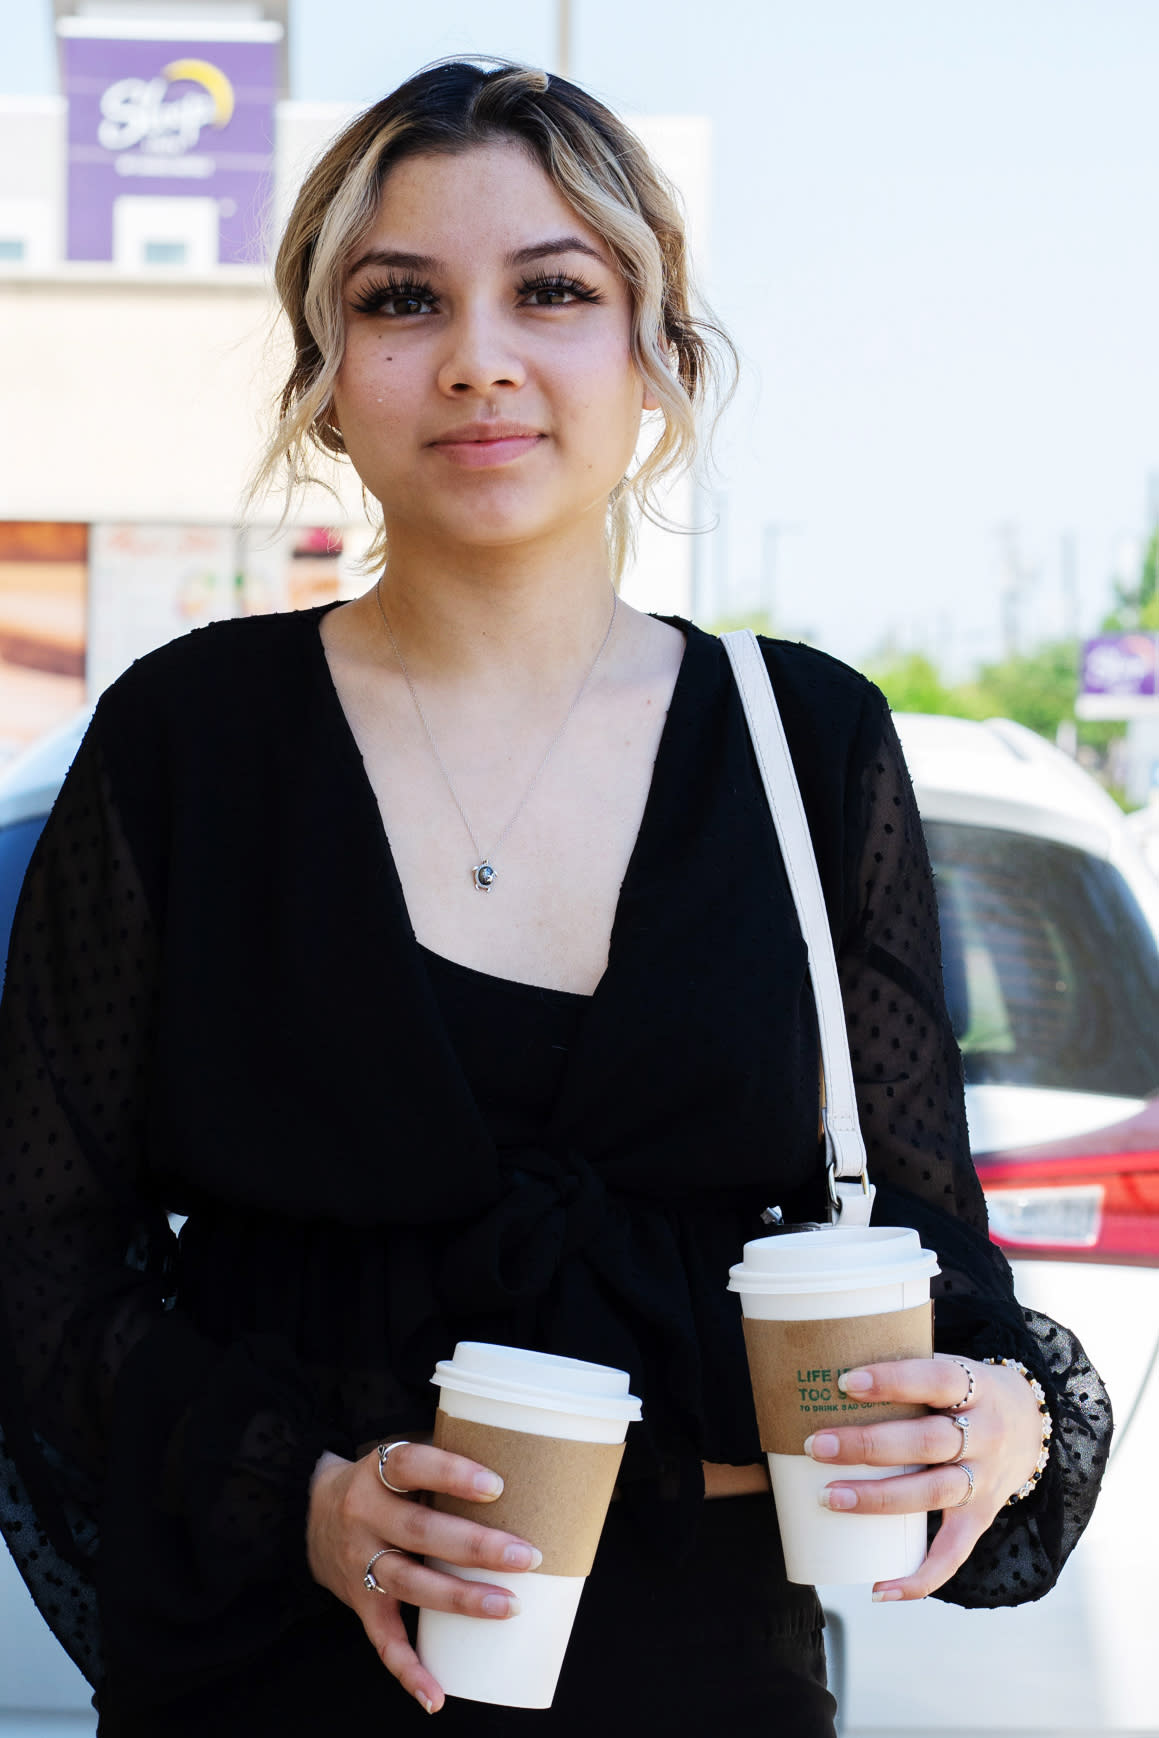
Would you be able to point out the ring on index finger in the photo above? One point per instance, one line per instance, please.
(969, 1496)
(968, 1397)
(385, 1449)
(963, 1424)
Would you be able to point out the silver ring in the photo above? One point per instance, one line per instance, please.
(368, 1580)
(963, 1447)
(384, 1449)
(969, 1496)
(968, 1397)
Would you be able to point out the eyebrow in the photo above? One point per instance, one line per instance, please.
(559, 244)
(395, 260)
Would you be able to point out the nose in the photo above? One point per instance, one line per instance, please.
(480, 355)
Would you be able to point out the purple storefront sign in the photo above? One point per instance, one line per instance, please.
(1123, 665)
(173, 118)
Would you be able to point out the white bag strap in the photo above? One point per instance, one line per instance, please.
(850, 1191)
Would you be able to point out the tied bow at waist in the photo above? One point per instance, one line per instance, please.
(554, 1205)
(601, 1272)
(605, 1275)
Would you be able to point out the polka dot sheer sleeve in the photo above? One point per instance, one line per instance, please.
(121, 1427)
(909, 1084)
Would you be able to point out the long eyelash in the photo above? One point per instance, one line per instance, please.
(376, 291)
(558, 281)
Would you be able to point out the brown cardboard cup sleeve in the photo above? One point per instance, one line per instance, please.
(794, 1368)
(555, 1492)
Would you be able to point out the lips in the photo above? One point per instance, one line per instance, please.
(485, 433)
(477, 445)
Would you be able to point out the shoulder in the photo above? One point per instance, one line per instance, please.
(803, 670)
(822, 698)
(248, 646)
(831, 712)
(224, 667)
(229, 693)
(839, 729)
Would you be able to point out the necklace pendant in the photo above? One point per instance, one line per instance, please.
(484, 875)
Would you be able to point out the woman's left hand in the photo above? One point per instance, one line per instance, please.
(1004, 1439)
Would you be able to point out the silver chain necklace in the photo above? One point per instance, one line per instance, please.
(484, 872)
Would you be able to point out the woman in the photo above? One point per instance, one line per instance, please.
(432, 953)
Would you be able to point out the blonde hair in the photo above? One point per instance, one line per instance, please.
(603, 171)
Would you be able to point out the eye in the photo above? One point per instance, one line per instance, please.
(397, 298)
(553, 290)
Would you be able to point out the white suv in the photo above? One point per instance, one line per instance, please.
(1050, 938)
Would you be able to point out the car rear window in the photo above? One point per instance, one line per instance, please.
(16, 846)
(1052, 972)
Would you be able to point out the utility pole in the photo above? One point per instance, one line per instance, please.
(771, 533)
(563, 38)
(1020, 578)
(1069, 578)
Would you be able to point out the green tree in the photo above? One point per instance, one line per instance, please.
(911, 682)
(1037, 689)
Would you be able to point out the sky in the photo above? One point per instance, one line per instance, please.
(933, 238)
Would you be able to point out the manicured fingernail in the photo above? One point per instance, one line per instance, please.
(522, 1557)
(838, 1497)
(855, 1382)
(883, 1594)
(824, 1446)
(488, 1484)
(425, 1702)
(501, 1605)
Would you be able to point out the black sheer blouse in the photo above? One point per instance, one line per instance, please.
(216, 1007)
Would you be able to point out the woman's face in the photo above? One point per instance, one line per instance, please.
(487, 393)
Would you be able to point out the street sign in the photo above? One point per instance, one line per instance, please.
(1120, 677)
(164, 113)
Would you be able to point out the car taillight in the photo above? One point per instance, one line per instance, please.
(1085, 1207)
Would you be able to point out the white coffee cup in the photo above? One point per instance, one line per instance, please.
(516, 1661)
(821, 1276)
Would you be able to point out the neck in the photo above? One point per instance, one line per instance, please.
(521, 616)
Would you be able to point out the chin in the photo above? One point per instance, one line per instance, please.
(484, 525)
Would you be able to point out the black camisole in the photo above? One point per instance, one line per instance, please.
(512, 1042)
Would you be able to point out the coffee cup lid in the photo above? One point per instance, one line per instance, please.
(832, 1260)
(541, 1379)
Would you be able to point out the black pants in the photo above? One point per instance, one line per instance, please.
(720, 1644)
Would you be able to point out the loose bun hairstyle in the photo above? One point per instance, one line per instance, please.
(600, 168)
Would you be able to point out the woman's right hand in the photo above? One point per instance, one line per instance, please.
(352, 1515)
